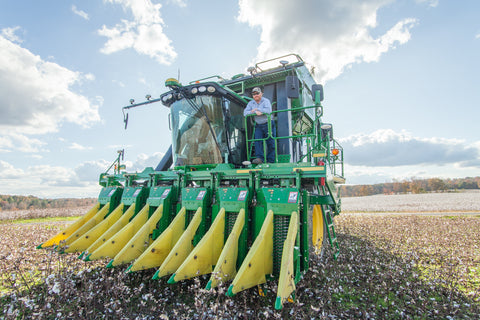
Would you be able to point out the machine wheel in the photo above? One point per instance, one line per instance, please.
(319, 234)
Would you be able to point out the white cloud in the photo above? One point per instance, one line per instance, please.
(477, 36)
(119, 83)
(9, 34)
(18, 142)
(387, 148)
(143, 161)
(89, 77)
(371, 175)
(80, 13)
(52, 181)
(331, 34)
(144, 34)
(7, 171)
(36, 94)
(431, 3)
(180, 3)
(90, 171)
(77, 146)
(57, 181)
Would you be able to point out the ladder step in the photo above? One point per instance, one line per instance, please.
(336, 254)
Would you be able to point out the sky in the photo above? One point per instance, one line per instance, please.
(401, 81)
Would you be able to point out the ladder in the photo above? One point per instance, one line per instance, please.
(332, 236)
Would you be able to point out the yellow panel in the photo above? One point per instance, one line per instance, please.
(318, 155)
(317, 228)
(337, 179)
(68, 231)
(286, 280)
(109, 230)
(309, 168)
(161, 247)
(93, 234)
(205, 254)
(182, 248)
(247, 170)
(92, 222)
(119, 239)
(225, 269)
(259, 260)
(137, 245)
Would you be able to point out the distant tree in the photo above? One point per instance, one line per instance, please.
(414, 185)
(8, 202)
(436, 184)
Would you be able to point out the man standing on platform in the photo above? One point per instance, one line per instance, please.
(261, 107)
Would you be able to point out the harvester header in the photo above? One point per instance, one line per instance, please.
(211, 206)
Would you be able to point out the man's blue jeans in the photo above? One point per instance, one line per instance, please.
(261, 132)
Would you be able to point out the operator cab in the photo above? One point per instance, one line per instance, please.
(207, 124)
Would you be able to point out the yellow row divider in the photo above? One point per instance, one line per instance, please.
(317, 228)
(91, 223)
(67, 232)
(94, 233)
(114, 243)
(141, 241)
(286, 280)
(258, 262)
(182, 248)
(205, 254)
(161, 247)
(226, 267)
(105, 231)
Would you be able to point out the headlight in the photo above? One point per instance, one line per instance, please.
(194, 90)
(202, 89)
(211, 89)
(167, 97)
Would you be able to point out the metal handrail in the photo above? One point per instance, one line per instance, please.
(335, 162)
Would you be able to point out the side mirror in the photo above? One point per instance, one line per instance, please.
(125, 120)
(317, 93)
(292, 87)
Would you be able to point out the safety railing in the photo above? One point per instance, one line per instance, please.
(276, 138)
(329, 149)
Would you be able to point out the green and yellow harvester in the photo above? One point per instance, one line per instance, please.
(206, 209)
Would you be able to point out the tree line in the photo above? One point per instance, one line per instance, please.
(9, 202)
(412, 185)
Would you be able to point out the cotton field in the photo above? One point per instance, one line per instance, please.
(468, 201)
(391, 266)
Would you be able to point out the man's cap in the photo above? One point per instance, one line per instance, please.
(256, 89)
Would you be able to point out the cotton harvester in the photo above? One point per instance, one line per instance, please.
(206, 209)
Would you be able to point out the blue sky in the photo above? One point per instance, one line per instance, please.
(401, 81)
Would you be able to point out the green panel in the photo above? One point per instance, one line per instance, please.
(161, 196)
(192, 199)
(282, 200)
(320, 199)
(283, 158)
(137, 195)
(304, 224)
(112, 195)
(233, 200)
(158, 195)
